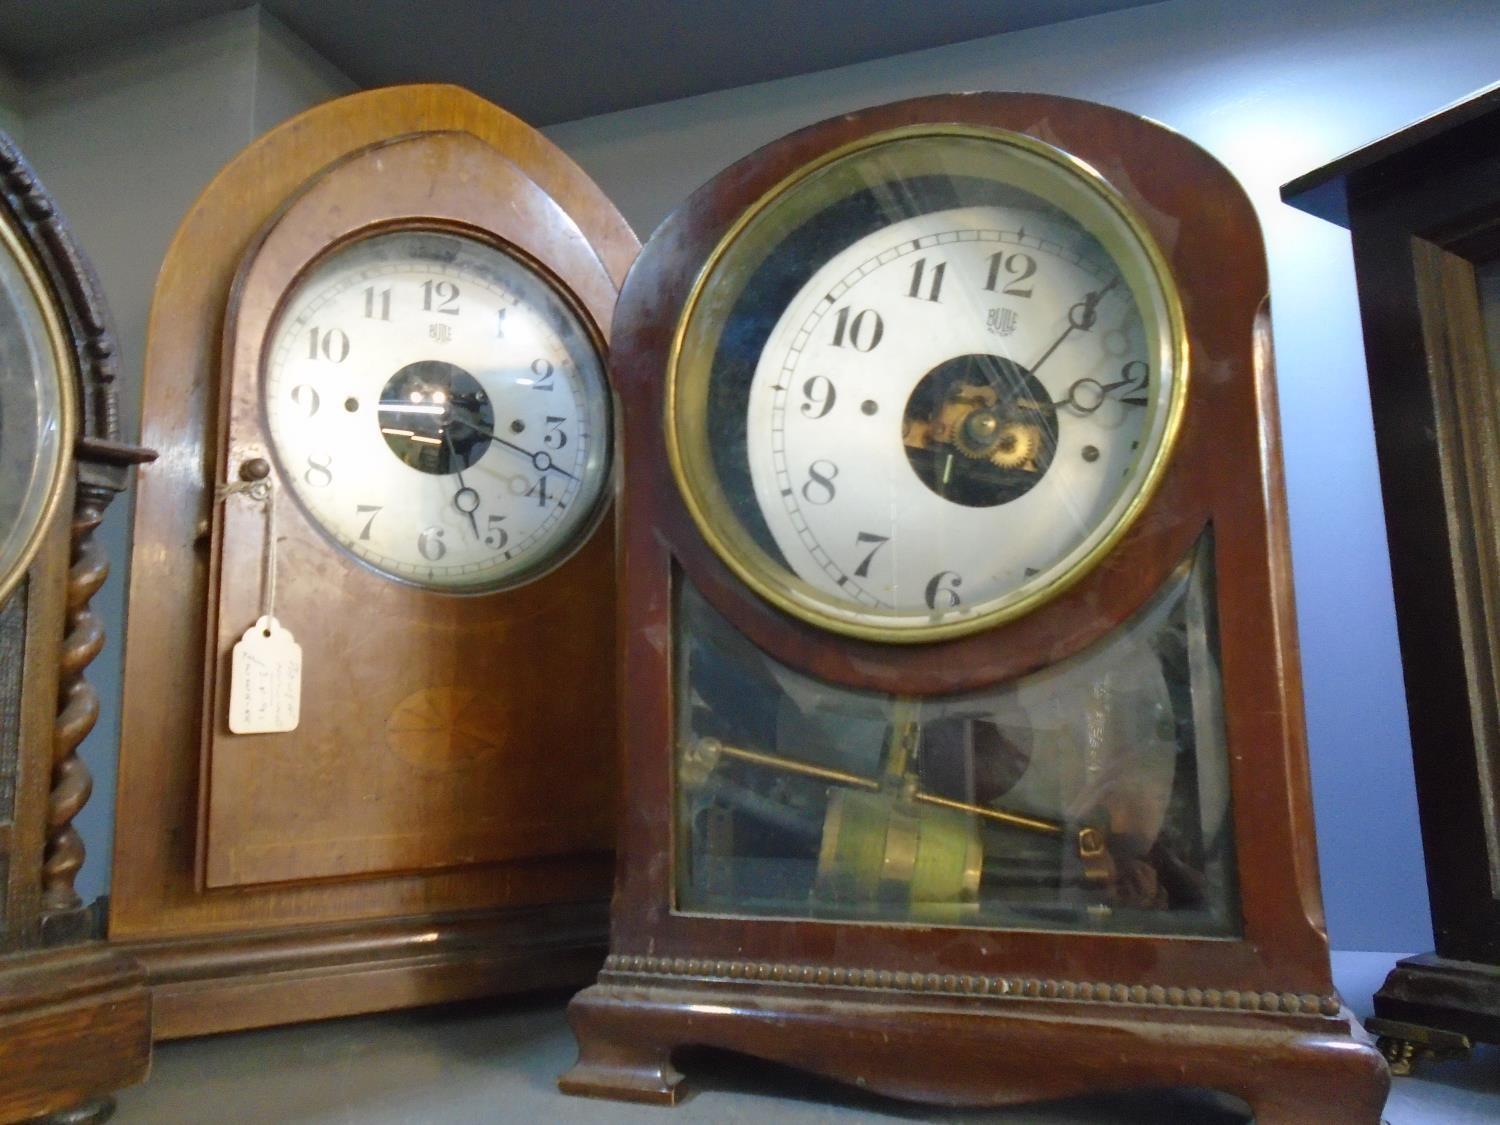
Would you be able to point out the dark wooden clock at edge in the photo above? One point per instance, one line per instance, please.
(967, 1015)
(1423, 206)
(75, 1014)
(298, 933)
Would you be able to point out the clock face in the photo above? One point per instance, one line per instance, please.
(927, 386)
(35, 410)
(440, 410)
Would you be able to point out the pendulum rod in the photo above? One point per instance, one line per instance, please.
(711, 748)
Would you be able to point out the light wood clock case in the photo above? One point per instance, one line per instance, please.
(377, 351)
(74, 1014)
(965, 757)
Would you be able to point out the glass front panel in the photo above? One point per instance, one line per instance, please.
(927, 386)
(1092, 795)
(33, 409)
(401, 391)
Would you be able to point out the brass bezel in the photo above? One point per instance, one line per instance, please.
(65, 360)
(700, 500)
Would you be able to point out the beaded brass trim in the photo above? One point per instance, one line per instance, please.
(971, 985)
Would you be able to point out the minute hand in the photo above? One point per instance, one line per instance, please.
(541, 460)
(1081, 317)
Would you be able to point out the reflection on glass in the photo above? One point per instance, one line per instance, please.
(926, 385)
(1091, 795)
(33, 433)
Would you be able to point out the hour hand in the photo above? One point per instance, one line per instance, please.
(1087, 395)
(466, 500)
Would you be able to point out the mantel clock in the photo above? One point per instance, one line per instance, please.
(74, 1014)
(965, 758)
(381, 572)
(1423, 207)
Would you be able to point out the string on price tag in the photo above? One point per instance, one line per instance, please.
(265, 673)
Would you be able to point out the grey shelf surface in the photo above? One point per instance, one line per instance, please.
(496, 1062)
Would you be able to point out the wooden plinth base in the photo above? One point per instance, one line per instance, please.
(1434, 1006)
(231, 982)
(1291, 1070)
(75, 1024)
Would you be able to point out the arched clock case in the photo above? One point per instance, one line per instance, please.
(75, 1015)
(965, 758)
(377, 351)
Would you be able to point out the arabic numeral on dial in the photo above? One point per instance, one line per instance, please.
(373, 510)
(1135, 374)
(542, 369)
(818, 488)
(440, 296)
(862, 331)
(539, 490)
(934, 280)
(497, 537)
(1020, 266)
(430, 544)
(377, 303)
(820, 394)
(332, 345)
(305, 398)
(942, 590)
(863, 570)
(319, 472)
(500, 323)
(554, 438)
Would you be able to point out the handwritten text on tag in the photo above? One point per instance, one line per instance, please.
(265, 680)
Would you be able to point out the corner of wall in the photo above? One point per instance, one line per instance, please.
(12, 104)
(290, 75)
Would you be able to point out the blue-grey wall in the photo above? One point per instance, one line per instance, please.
(1273, 88)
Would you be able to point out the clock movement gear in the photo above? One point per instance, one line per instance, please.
(979, 430)
(1008, 443)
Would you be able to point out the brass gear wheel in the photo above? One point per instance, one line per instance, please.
(976, 432)
(1016, 445)
(1006, 443)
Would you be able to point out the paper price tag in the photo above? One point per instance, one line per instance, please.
(265, 680)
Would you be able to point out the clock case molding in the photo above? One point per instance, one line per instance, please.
(1423, 207)
(75, 1015)
(961, 1015)
(306, 934)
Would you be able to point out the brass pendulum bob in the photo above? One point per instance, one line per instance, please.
(885, 840)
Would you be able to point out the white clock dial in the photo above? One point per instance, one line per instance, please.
(439, 410)
(932, 429)
(927, 386)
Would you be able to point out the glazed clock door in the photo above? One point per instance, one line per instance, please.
(942, 426)
(388, 375)
(420, 418)
(953, 417)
